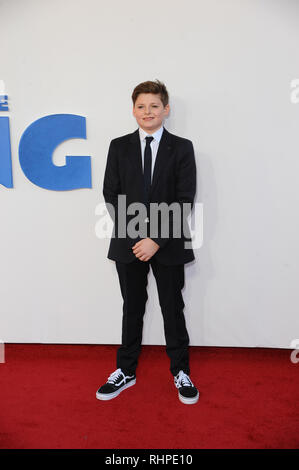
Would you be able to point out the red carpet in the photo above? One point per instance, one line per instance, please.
(249, 400)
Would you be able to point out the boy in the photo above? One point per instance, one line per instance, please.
(148, 167)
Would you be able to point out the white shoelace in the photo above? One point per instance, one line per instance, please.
(183, 380)
(114, 376)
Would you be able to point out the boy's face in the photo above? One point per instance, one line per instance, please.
(150, 112)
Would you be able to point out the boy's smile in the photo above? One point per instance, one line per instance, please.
(150, 112)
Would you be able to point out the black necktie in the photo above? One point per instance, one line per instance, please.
(147, 171)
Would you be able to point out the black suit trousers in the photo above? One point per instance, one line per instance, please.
(133, 283)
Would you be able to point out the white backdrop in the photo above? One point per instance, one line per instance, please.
(228, 66)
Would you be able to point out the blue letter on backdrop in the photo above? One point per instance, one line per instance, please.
(36, 148)
(5, 154)
(3, 103)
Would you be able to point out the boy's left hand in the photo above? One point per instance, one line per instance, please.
(145, 249)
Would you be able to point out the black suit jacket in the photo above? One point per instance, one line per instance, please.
(174, 180)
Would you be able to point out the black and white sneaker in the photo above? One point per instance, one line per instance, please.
(116, 383)
(188, 393)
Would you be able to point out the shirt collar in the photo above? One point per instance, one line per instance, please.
(156, 135)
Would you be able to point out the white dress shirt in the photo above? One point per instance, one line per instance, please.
(154, 144)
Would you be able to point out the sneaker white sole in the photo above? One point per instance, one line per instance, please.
(109, 396)
(189, 401)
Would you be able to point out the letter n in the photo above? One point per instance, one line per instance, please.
(5, 154)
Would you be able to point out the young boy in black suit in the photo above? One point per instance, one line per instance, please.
(150, 166)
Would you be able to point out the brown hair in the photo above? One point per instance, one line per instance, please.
(155, 88)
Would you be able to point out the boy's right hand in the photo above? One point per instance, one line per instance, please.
(145, 249)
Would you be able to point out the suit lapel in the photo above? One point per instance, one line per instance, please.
(162, 154)
(136, 160)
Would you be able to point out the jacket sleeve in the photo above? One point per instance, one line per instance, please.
(111, 185)
(185, 192)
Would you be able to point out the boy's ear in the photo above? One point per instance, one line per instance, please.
(167, 109)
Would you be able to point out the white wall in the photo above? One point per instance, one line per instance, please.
(228, 67)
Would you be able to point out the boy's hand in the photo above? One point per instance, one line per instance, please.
(145, 249)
